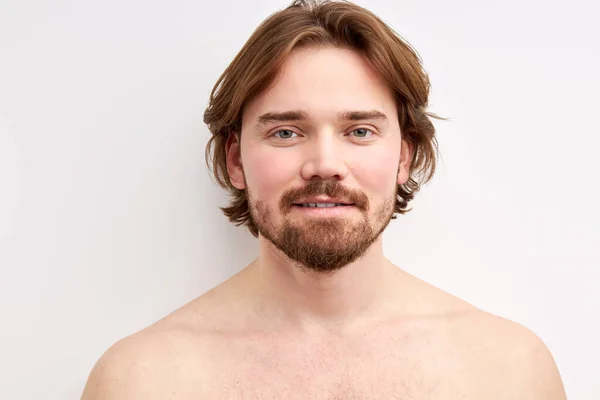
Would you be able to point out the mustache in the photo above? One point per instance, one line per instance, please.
(330, 188)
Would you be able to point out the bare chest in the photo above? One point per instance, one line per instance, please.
(336, 379)
(382, 369)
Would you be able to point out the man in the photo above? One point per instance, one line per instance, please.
(320, 134)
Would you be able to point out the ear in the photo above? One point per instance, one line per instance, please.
(234, 161)
(406, 153)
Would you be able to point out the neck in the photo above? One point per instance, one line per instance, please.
(307, 297)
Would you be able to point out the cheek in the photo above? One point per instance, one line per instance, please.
(377, 173)
(267, 172)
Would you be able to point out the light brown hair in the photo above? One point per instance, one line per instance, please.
(321, 24)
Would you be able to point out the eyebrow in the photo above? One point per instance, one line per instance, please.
(300, 115)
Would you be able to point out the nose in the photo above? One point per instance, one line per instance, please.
(324, 159)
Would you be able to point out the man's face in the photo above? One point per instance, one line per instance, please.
(326, 131)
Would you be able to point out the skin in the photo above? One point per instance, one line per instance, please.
(365, 329)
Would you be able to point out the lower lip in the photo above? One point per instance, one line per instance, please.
(324, 211)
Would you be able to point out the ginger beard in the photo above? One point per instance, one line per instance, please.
(322, 244)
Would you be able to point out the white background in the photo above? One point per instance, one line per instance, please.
(109, 219)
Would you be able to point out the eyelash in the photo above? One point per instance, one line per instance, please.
(356, 129)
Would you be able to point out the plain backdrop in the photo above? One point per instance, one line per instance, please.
(109, 219)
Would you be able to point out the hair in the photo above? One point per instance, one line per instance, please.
(321, 24)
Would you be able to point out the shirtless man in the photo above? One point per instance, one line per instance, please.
(324, 106)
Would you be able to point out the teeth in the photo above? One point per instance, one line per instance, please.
(321, 205)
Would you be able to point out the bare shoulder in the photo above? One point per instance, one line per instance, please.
(144, 365)
(509, 356)
(118, 373)
(157, 362)
(506, 355)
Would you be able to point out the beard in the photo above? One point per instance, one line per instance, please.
(323, 245)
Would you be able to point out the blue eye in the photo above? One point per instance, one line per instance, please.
(285, 134)
(362, 132)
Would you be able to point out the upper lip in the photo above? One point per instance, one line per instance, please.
(321, 199)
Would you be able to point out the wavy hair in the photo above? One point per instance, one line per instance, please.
(321, 24)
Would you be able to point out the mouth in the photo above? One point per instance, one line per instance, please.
(322, 205)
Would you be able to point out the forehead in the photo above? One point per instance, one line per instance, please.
(324, 81)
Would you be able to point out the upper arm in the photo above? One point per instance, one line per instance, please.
(119, 374)
(514, 363)
(526, 367)
(105, 381)
(543, 379)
